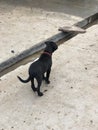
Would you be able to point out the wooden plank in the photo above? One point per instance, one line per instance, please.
(72, 29)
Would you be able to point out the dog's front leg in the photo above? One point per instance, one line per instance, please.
(48, 75)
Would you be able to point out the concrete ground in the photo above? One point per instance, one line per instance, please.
(70, 101)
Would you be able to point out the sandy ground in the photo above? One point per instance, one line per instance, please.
(70, 101)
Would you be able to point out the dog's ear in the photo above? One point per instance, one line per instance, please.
(54, 46)
(47, 43)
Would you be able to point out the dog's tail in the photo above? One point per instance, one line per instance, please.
(24, 81)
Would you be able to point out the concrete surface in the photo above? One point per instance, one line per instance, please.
(70, 101)
(24, 23)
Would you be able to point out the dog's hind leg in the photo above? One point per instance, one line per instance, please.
(32, 85)
(44, 77)
(48, 75)
(39, 81)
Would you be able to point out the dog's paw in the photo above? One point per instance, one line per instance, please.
(34, 89)
(40, 94)
(47, 81)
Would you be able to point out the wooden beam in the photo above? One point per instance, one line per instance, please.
(72, 29)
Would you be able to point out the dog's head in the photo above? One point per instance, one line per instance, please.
(51, 46)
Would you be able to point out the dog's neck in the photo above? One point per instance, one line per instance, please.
(47, 53)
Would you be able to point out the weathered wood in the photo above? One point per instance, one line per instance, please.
(58, 38)
(72, 29)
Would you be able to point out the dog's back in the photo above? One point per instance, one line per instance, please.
(40, 66)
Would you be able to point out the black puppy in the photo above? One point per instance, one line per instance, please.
(40, 67)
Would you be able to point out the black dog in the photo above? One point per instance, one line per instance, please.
(40, 67)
